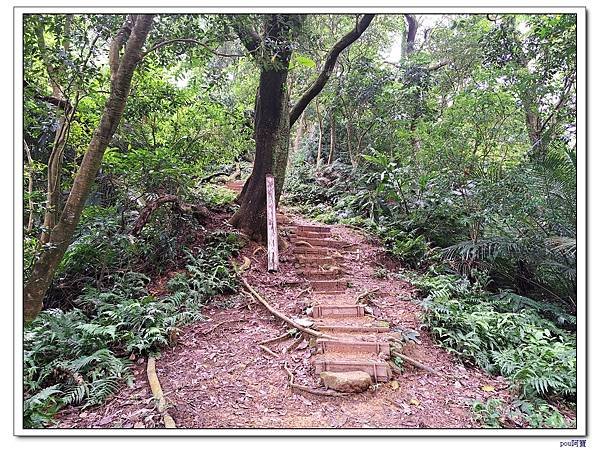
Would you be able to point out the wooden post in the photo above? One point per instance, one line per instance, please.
(272, 244)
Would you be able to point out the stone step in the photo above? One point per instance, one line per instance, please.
(319, 242)
(332, 328)
(379, 371)
(315, 275)
(313, 229)
(282, 219)
(338, 285)
(381, 349)
(333, 311)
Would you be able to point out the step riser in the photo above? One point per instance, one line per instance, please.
(351, 329)
(313, 229)
(321, 276)
(372, 348)
(330, 312)
(329, 286)
(315, 261)
(312, 251)
(379, 371)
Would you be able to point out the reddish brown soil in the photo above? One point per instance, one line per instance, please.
(219, 378)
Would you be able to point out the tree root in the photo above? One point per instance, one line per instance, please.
(417, 364)
(282, 337)
(204, 333)
(304, 243)
(280, 315)
(268, 350)
(158, 393)
(200, 212)
(366, 294)
(292, 385)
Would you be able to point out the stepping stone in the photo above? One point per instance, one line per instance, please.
(351, 382)
(354, 346)
(379, 370)
(333, 311)
(338, 285)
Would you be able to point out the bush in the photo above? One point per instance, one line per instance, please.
(529, 350)
(81, 356)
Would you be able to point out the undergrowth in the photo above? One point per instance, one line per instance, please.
(506, 336)
(81, 356)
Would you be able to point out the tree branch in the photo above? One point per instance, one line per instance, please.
(250, 38)
(319, 83)
(188, 41)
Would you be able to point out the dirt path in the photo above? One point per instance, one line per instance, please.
(219, 378)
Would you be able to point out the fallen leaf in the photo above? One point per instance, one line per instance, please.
(395, 385)
(414, 401)
(487, 388)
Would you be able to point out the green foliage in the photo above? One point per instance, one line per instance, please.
(216, 195)
(488, 413)
(527, 349)
(80, 356)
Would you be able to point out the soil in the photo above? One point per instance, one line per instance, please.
(216, 376)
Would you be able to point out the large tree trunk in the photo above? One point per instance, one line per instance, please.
(272, 132)
(273, 116)
(62, 234)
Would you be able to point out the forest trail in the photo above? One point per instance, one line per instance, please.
(217, 376)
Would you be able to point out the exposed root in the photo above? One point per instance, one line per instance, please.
(268, 350)
(158, 393)
(280, 315)
(283, 337)
(417, 364)
(259, 249)
(366, 294)
(292, 385)
(304, 243)
(302, 292)
(204, 333)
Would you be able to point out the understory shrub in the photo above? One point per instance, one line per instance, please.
(503, 337)
(80, 356)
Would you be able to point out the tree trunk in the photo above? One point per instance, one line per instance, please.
(62, 234)
(272, 132)
(331, 136)
(273, 116)
(320, 144)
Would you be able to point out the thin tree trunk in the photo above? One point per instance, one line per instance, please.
(62, 234)
(331, 136)
(55, 160)
(320, 144)
(30, 185)
(300, 131)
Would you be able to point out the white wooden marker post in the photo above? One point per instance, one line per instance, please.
(272, 244)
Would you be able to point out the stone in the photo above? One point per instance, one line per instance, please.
(355, 381)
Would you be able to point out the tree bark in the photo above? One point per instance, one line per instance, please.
(331, 136)
(273, 117)
(62, 234)
(411, 33)
(320, 144)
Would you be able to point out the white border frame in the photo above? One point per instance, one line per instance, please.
(581, 132)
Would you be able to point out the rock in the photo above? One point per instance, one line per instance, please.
(355, 381)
